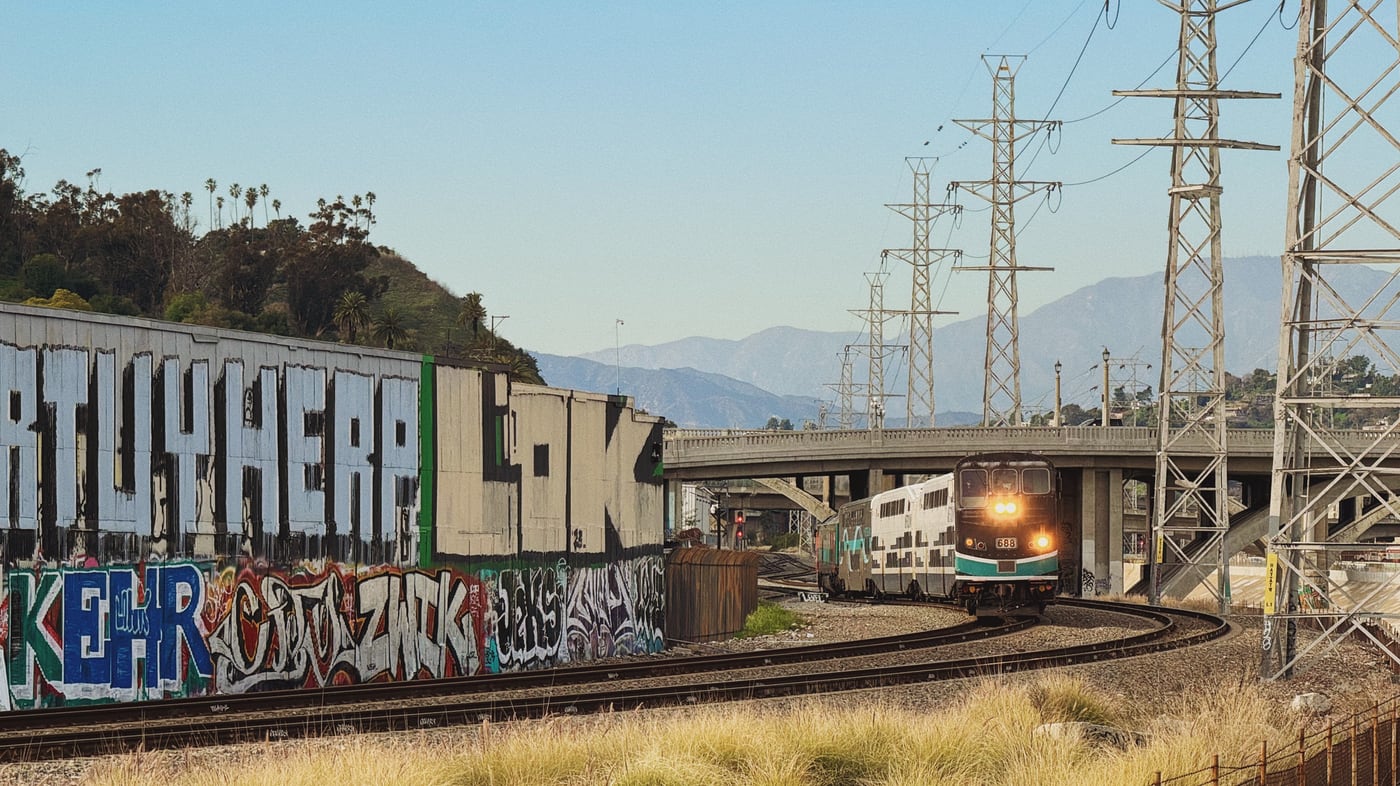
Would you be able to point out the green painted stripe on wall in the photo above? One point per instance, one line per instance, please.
(427, 459)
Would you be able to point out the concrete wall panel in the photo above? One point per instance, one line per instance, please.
(177, 494)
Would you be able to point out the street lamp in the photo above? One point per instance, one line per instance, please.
(617, 353)
(495, 318)
(1055, 421)
(1103, 421)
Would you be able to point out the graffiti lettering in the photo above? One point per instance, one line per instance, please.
(529, 618)
(129, 442)
(312, 633)
(181, 629)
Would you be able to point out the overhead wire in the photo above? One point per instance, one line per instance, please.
(1062, 23)
(1121, 99)
(1254, 40)
(1139, 157)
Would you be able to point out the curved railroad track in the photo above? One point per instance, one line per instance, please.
(75, 731)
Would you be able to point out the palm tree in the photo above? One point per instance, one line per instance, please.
(220, 202)
(263, 189)
(351, 314)
(276, 208)
(211, 185)
(235, 191)
(389, 328)
(250, 198)
(472, 312)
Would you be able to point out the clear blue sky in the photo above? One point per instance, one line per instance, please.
(712, 169)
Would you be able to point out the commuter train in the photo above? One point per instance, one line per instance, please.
(984, 536)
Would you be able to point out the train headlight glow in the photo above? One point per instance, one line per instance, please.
(1005, 507)
(1042, 541)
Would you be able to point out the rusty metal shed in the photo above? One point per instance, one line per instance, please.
(709, 593)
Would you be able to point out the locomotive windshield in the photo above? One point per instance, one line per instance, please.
(1004, 481)
(972, 488)
(1035, 480)
(976, 485)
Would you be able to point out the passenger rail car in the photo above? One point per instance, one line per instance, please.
(983, 536)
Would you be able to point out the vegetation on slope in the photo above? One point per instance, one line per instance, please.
(141, 254)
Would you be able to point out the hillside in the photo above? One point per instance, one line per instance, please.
(140, 254)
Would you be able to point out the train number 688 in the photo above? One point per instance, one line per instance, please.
(1006, 543)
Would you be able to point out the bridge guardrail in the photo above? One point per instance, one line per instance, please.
(701, 444)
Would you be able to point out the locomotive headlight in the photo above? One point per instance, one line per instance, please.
(1005, 507)
(1042, 542)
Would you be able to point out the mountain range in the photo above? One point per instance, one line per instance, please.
(785, 372)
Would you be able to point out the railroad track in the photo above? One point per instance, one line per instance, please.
(68, 732)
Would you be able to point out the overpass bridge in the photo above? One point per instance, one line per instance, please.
(1094, 462)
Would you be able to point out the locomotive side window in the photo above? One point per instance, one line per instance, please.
(1035, 480)
(972, 488)
(1004, 481)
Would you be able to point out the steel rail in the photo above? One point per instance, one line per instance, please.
(333, 719)
(38, 721)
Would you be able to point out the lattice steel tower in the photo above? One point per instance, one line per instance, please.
(1343, 176)
(1001, 387)
(845, 389)
(1190, 502)
(874, 317)
(921, 257)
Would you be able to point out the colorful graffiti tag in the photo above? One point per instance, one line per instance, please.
(185, 629)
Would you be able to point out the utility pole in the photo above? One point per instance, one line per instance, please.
(921, 257)
(1001, 386)
(1191, 466)
(1103, 413)
(1055, 421)
(1341, 211)
(1129, 381)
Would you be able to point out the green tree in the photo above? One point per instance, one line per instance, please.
(330, 260)
(388, 328)
(471, 313)
(351, 314)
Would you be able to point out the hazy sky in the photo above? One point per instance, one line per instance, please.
(712, 169)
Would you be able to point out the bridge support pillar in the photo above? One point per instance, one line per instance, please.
(1101, 515)
(867, 484)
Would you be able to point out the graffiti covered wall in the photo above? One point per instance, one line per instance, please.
(182, 629)
(193, 511)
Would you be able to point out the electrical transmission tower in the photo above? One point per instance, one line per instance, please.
(875, 350)
(1191, 474)
(920, 257)
(845, 390)
(1001, 387)
(1343, 174)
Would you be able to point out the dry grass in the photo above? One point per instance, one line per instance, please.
(986, 738)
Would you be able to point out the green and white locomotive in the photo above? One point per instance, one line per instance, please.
(984, 536)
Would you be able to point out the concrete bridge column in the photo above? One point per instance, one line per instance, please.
(1101, 515)
(867, 484)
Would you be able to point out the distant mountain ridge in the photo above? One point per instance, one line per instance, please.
(690, 398)
(794, 368)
